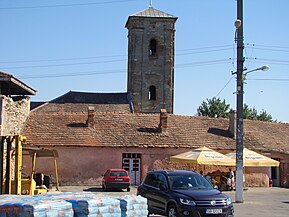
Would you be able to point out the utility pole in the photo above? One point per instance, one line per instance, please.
(239, 131)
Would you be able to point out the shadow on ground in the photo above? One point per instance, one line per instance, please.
(96, 189)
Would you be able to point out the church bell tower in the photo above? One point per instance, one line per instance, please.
(151, 44)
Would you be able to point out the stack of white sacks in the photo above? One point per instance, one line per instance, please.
(132, 206)
(92, 205)
(36, 206)
(82, 204)
(47, 208)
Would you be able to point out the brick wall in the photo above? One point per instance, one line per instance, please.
(84, 165)
(283, 168)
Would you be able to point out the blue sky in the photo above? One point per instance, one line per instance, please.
(55, 46)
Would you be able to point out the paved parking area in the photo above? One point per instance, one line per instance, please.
(258, 202)
(263, 202)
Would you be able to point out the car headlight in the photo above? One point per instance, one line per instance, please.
(187, 202)
(229, 201)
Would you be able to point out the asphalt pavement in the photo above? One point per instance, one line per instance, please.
(258, 202)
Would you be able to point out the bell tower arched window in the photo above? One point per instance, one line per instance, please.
(152, 93)
(153, 47)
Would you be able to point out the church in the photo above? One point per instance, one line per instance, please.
(137, 130)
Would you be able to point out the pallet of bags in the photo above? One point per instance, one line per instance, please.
(83, 203)
(133, 206)
(4, 208)
(21, 206)
(86, 204)
(84, 207)
(57, 208)
(33, 208)
(72, 199)
(8, 204)
(36, 206)
(109, 207)
(10, 209)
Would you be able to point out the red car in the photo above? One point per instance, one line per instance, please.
(116, 179)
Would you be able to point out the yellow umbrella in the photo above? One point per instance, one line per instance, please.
(205, 156)
(251, 158)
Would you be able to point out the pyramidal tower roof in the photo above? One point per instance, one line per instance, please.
(151, 12)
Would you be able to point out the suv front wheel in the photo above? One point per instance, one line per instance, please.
(172, 211)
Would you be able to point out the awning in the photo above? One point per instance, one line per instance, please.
(204, 156)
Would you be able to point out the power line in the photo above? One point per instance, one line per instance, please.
(207, 51)
(201, 63)
(112, 56)
(205, 48)
(280, 48)
(270, 49)
(64, 64)
(120, 60)
(119, 55)
(272, 61)
(117, 71)
(63, 59)
(269, 79)
(86, 63)
(66, 5)
(225, 86)
(179, 53)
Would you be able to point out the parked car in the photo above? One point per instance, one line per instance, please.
(183, 193)
(116, 179)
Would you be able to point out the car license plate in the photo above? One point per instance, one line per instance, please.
(214, 211)
(118, 179)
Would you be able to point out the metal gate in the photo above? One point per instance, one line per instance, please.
(131, 163)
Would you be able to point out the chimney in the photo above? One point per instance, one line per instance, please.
(163, 121)
(90, 117)
(232, 123)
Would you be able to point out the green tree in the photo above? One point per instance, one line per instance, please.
(264, 116)
(249, 113)
(214, 108)
(252, 114)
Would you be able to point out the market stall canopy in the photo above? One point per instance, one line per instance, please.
(251, 158)
(205, 156)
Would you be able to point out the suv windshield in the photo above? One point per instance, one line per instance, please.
(192, 181)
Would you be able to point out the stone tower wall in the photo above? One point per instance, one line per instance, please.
(144, 69)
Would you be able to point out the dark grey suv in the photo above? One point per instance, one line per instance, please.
(183, 193)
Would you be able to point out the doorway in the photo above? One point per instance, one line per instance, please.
(275, 175)
(131, 163)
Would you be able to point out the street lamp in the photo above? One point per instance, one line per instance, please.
(239, 39)
(262, 68)
(241, 76)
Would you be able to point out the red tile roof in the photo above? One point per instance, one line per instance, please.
(65, 125)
